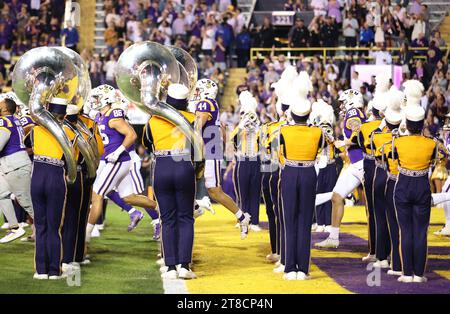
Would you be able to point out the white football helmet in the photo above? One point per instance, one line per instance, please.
(204, 88)
(102, 96)
(351, 98)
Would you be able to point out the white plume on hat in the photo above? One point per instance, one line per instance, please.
(413, 90)
(178, 91)
(394, 99)
(303, 84)
(248, 102)
(298, 95)
(381, 88)
(285, 83)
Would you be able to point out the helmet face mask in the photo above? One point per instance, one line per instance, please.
(102, 96)
(350, 98)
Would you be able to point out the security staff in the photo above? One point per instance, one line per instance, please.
(412, 194)
(174, 183)
(369, 172)
(247, 172)
(49, 194)
(300, 145)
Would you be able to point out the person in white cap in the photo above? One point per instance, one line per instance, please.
(412, 194)
(349, 179)
(15, 168)
(174, 183)
(382, 145)
(48, 192)
(300, 144)
(247, 174)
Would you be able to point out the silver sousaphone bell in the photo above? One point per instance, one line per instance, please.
(40, 74)
(88, 148)
(187, 65)
(143, 74)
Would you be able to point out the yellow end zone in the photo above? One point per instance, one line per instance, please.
(226, 264)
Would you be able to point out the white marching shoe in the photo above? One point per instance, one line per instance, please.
(279, 269)
(406, 279)
(163, 269)
(255, 228)
(320, 228)
(172, 274)
(292, 275)
(100, 227)
(370, 258)
(273, 257)
(391, 272)
(302, 276)
(184, 273)
(12, 235)
(328, 243)
(55, 277)
(381, 264)
(420, 279)
(5, 226)
(40, 276)
(314, 227)
(445, 231)
(160, 262)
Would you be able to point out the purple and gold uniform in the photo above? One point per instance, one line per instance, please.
(49, 195)
(110, 175)
(174, 183)
(369, 172)
(412, 199)
(355, 153)
(212, 138)
(300, 145)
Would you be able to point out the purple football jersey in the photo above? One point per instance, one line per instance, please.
(110, 137)
(26, 121)
(355, 153)
(15, 143)
(211, 130)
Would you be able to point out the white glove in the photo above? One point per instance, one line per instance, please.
(114, 156)
(323, 162)
(382, 124)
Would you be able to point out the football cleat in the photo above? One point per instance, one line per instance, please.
(370, 258)
(135, 218)
(381, 264)
(420, 279)
(184, 273)
(443, 232)
(163, 269)
(12, 235)
(302, 276)
(171, 275)
(292, 275)
(244, 225)
(406, 279)
(156, 230)
(328, 243)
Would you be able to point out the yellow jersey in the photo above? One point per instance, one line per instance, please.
(366, 130)
(414, 152)
(44, 144)
(300, 142)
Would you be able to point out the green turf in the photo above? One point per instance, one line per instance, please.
(122, 262)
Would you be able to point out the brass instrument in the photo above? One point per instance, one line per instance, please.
(143, 73)
(187, 65)
(40, 74)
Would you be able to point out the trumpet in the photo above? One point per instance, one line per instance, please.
(328, 131)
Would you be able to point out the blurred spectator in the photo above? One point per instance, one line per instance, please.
(299, 34)
(382, 56)
(243, 45)
(349, 30)
(266, 34)
(70, 35)
(319, 7)
(356, 83)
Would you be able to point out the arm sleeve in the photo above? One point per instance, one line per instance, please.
(147, 138)
(4, 138)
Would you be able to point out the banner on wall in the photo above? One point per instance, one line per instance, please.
(366, 71)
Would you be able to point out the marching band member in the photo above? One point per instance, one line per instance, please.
(299, 145)
(445, 231)
(383, 143)
(247, 172)
(412, 194)
(15, 168)
(117, 136)
(327, 172)
(74, 202)
(49, 194)
(378, 108)
(353, 176)
(207, 124)
(174, 183)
